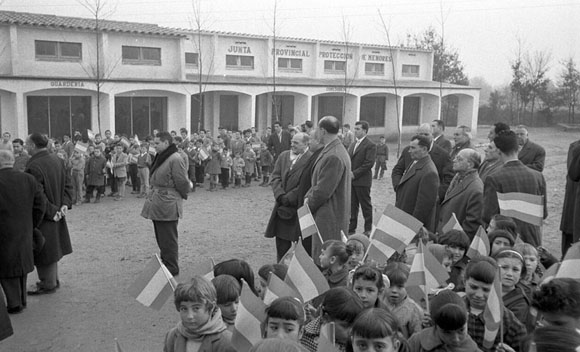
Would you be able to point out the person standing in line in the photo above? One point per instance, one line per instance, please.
(20, 155)
(49, 170)
(438, 127)
(279, 141)
(381, 159)
(164, 203)
(531, 154)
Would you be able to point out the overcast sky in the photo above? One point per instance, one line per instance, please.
(484, 32)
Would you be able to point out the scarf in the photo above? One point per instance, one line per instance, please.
(161, 157)
(214, 325)
(229, 321)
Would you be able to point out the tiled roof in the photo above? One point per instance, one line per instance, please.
(53, 21)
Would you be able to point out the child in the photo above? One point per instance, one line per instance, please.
(375, 329)
(499, 239)
(279, 270)
(266, 161)
(133, 168)
(381, 158)
(358, 244)
(285, 319)
(533, 271)
(558, 302)
(368, 284)
(143, 165)
(77, 161)
(278, 345)
(119, 170)
(238, 169)
(213, 167)
(442, 254)
(201, 327)
(249, 163)
(457, 242)
(333, 260)
(95, 175)
(228, 292)
(225, 165)
(556, 339)
(479, 276)
(404, 308)
(238, 269)
(341, 306)
(449, 333)
(502, 222)
(512, 267)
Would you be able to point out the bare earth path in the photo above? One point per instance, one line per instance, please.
(112, 243)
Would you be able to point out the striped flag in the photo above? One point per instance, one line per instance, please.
(493, 313)
(452, 224)
(518, 240)
(277, 288)
(207, 271)
(395, 230)
(569, 268)
(550, 273)
(522, 206)
(125, 142)
(479, 245)
(326, 339)
(289, 254)
(304, 276)
(426, 271)
(343, 237)
(307, 223)
(251, 314)
(81, 147)
(154, 285)
(91, 135)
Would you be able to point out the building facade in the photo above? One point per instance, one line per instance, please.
(61, 74)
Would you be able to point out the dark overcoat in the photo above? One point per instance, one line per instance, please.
(49, 170)
(286, 181)
(514, 176)
(21, 210)
(570, 223)
(533, 156)
(94, 171)
(444, 144)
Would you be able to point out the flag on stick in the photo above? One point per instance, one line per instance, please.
(522, 206)
(343, 237)
(493, 313)
(307, 223)
(479, 245)
(81, 147)
(289, 254)
(277, 288)
(154, 285)
(452, 224)
(203, 154)
(326, 339)
(304, 276)
(426, 272)
(207, 271)
(118, 346)
(91, 135)
(137, 140)
(251, 314)
(550, 273)
(125, 142)
(395, 230)
(571, 263)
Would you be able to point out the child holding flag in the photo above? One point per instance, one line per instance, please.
(368, 284)
(285, 319)
(228, 292)
(376, 329)
(457, 242)
(333, 260)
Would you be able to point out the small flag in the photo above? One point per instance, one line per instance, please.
(518, 240)
(479, 245)
(152, 150)
(307, 223)
(251, 314)
(493, 313)
(81, 147)
(289, 254)
(395, 230)
(154, 285)
(125, 142)
(343, 237)
(203, 154)
(522, 206)
(277, 288)
(569, 268)
(452, 224)
(137, 140)
(91, 135)
(207, 271)
(550, 273)
(426, 272)
(118, 346)
(304, 276)
(326, 339)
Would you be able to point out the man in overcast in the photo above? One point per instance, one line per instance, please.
(531, 154)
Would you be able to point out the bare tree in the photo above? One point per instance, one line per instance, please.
(348, 80)
(100, 10)
(536, 67)
(517, 85)
(394, 81)
(570, 82)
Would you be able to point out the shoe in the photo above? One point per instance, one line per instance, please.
(117, 198)
(15, 310)
(42, 291)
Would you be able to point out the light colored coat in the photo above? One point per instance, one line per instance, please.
(119, 162)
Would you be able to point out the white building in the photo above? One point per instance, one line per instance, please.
(150, 74)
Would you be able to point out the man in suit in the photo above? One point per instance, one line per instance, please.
(513, 176)
(290, 166)
(362, 158)
(439, 157)
(531, 154)
(22, 208)
(438, 127)
(329, 194)
(496, 129)
(279, 141)
(570, 223)
(462, 137)
(464, 196)
(416, 192)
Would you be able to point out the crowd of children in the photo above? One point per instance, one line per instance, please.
(371, 310)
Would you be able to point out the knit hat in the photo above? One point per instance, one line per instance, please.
(501, 233)
(438, 250)
(362, 239)
(448, 310)
(456, 238)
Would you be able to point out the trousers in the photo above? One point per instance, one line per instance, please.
(15, 291)
(166, 236)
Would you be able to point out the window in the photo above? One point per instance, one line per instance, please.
(58, 51)
(334, 66)
(374, 68)
(191, 59)
(239, 62)
(136, 55)
(58, 115)
(140, 115)
(410, 70)
(286, 64)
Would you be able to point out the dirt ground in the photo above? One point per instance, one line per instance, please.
(112, 243)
